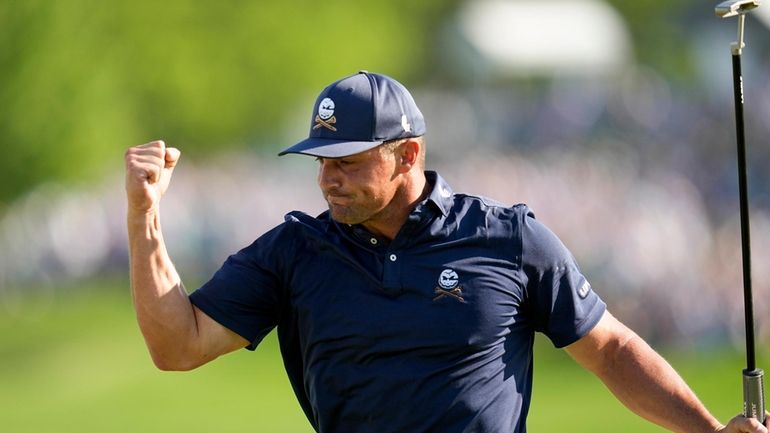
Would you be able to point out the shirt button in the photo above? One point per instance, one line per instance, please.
(373, 241)
(393, 257)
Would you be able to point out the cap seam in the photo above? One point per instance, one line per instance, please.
(375, 95)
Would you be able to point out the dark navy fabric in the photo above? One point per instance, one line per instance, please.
(357, 113)
(431, 332)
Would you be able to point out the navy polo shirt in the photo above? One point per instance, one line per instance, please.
(431, 332)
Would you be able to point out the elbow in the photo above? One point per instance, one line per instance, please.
(172, 354)
(165, 362)
(164, 365)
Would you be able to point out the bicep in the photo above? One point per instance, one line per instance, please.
(596, 350)
(214, 339)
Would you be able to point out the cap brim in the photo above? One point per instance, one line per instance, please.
(326, 148)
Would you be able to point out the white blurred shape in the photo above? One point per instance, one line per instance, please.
(525, 37)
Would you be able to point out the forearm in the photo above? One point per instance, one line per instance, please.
(648, 385)
(163, 309)
(640, 378)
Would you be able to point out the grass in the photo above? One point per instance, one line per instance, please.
(78, 364)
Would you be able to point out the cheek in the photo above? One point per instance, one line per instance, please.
(388, 182)
(383, 193)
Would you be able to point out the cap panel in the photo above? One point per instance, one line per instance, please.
(343, 111)
(397, 113)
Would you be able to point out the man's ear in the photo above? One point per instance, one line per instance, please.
(409, 154)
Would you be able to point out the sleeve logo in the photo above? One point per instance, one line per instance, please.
(584, 289)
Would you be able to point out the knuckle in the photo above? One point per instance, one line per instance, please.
(131, 153)
(156, 144)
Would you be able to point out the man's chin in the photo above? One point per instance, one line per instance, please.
(343, 217)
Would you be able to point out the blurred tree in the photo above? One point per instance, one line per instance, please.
(81, 80)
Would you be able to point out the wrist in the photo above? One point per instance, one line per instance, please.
(142, 215)
(144, 223)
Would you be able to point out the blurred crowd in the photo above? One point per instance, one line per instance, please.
(638, 180)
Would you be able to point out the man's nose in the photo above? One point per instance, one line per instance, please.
(328, 174)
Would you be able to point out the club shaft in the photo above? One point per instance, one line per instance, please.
(748, 299)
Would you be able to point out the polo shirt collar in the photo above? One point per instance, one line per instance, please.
(441, 195)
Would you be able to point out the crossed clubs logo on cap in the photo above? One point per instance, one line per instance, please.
(325, 117)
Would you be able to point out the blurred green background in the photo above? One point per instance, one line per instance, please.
(613, 119)
(83, 368)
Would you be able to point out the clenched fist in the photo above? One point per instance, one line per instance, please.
(148, 172)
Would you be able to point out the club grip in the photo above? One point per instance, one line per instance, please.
(754, 394)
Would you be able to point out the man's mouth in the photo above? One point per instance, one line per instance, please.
(338, 199)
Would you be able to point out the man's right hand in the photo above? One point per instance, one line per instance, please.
(148, 173)
(741, 424)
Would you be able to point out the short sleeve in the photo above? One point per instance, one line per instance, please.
(562, 302)
(245, 294)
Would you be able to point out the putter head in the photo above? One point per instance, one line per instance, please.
(731, 8)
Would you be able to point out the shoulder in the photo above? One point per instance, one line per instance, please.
(300, 221)
(515, 222)
(490, 210)
(541, 244)
(296, 229)
(480, 203)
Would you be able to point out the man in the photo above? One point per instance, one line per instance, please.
(403, 308)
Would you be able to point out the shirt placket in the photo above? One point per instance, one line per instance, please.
(391, 264)
(391, 275)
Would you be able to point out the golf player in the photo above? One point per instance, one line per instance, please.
(405, 307)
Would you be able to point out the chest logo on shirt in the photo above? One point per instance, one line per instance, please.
(448, 286)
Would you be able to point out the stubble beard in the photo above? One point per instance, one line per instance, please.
(346, 214)
(360, 208)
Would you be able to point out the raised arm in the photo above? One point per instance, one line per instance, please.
(643, 381)
(178, 335)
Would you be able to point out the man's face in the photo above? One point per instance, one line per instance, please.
(359, 188)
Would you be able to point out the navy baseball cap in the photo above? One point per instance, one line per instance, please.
(358, 113)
